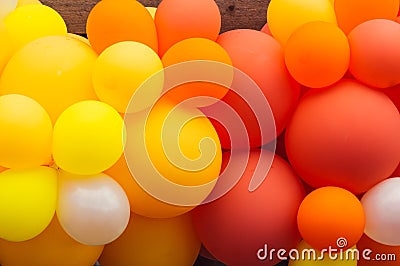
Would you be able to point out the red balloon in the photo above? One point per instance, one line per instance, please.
(345, 135)
(236, 226)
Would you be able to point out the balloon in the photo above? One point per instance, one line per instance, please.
(352, 13)
(331, 217)
(199, 49)
(88, 138)
(79, 38)
(285, 16)
(93, 210)
(113, 21)
(382, 215)
(6, 7)
(57, 73)
(317, 54)
(26, 132)
(261, 58)
(266, 29)
(28, 2)
(121, 69)
(236, 226)
(156, 242)
(374, 251)
(375, 57)
(52, 247)
(152, 11)
(307, 256)
(27, 202)
(30, 22)
(345, 135)
(194, 19)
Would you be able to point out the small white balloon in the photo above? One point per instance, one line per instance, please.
(6, 7)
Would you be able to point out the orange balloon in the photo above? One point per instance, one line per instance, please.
(113, 21)
(377, 252)
(349, 14)
(177, 20)
(331, 217)
(317, 54)
(52, 247)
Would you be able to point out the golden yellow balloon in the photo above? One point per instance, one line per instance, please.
(121, 69)
(152, 11)
(6, 47)
(30, 22)
(27, 202)
(285, 16)
(26, 132)
(56, 71)
(28, 2)
(88, 138)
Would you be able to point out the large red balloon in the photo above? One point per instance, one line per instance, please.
(235, 227)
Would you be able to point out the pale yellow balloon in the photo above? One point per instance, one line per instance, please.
(80, 38)
(121, 69)
(56, 71)
(152, 11)
(28, 2)
(6, 47)
(88, 138)
(27, 202)
(26, 132)
(30, 22)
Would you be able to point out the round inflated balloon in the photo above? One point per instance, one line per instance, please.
(28, 2)
(93, 210)
(194, 19)
(327, 137)
(88, 138)
(152, 11)
(6, 7)
(382, 216)
(26, 132)
(174, 241)
(349, 14)
(371, 251)
(52, 247)
(30, 22)
(121, 69)
(57, 73)
(331, 217)
(375, 57)
(317, 54)
(27, 202)
(235, 227)
(113, 21)
(285, 16)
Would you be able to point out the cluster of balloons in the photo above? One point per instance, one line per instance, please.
(158, 135)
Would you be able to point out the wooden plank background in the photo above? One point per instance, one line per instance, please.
(235, 14)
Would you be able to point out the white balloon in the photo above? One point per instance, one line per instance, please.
(6, 7)
(382, 212)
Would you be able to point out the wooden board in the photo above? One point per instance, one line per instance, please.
(235, 14)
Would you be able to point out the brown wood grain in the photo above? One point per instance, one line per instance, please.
(235, 14)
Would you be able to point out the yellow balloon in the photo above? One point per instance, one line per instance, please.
(27, 202)
(307, 256)
(28, 2)
(30, 22)
(6, 47)
(152, 11)
(285, 16)
(121, 69)
(56, 71)
(79, 38)
(156, 242)
(88, 138)
(26, 132)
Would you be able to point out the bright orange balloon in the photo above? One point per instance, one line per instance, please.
(331, 217)
(317, 54)
(113, 21)
(52, 247)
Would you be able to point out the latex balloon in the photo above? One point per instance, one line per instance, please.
(317, 54)
(30, 22)
(28, 2)
(382, 217)
(27, 202)
(285, 16)
(119, 72)
(375, 59)
(6, 47)
(152, 11)
(88, 138)
(194, 19)
(328, 133)
(374, 253)
(173, 240)
(26, 132)
(6, 7)
(236, 226)
(113, 21)
(93, 210)
(79, 38)
(352, 13)
(52, 247)
(57, 73)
